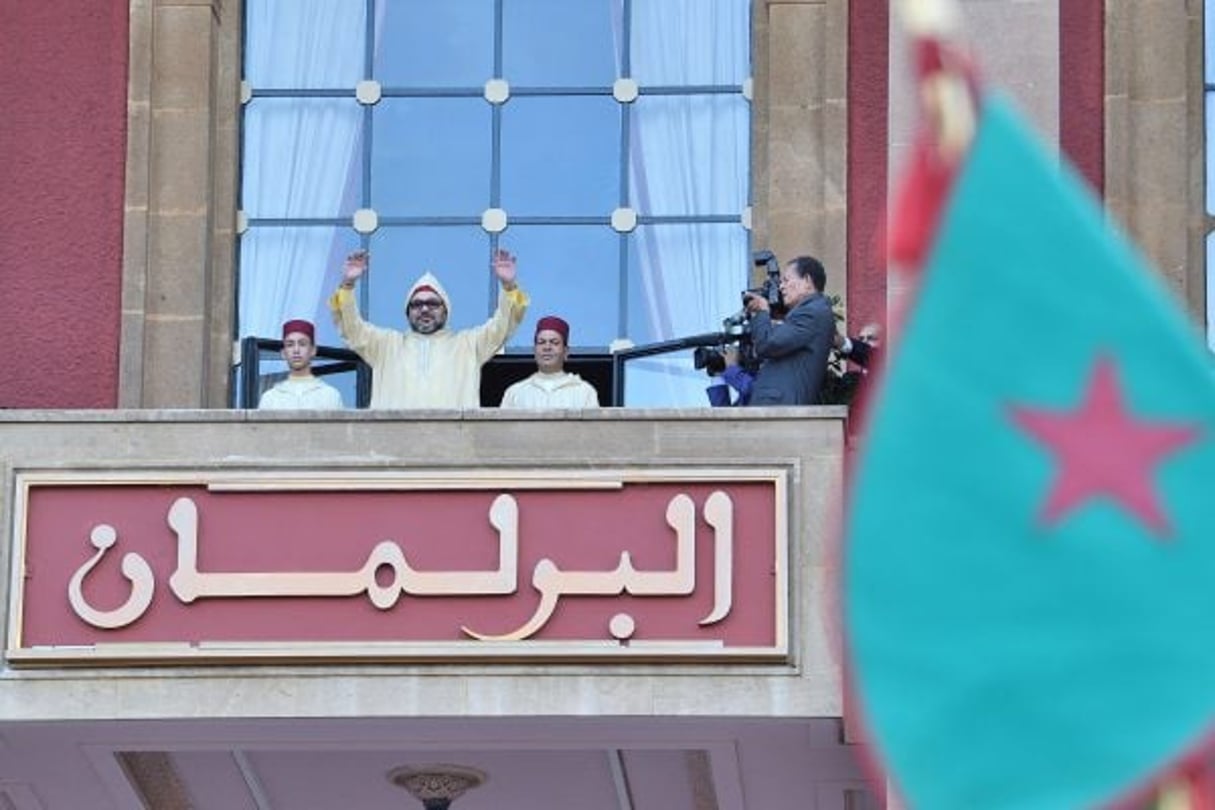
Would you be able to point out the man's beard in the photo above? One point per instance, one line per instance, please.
(428, 328)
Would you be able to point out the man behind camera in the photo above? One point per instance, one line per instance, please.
(793, 352)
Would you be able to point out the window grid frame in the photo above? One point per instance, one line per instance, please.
(406, 91)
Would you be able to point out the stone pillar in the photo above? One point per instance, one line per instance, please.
(1154, 136)
(799, 154)
(180, 204)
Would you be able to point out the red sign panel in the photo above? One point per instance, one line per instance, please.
(662, 565)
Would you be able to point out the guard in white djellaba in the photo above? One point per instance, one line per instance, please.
(302, 390)
(551, 386)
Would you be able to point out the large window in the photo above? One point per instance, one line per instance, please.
(605, 142)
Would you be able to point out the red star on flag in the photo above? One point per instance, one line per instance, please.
(1102, 449)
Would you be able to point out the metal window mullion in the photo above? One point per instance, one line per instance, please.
(365, 157)
(622, 312)
(293, 222)
(690, 90)
(622, 275)
(688, 219)
(424, 221)
(432, 92)
(560, 91)
(626, 36)
(561, 220)
(495, 154)
(369, 39)
(301, 92)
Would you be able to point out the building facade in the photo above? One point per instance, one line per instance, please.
(120, 242)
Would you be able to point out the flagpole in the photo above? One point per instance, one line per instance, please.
(946, 79)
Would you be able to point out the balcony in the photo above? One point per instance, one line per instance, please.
(685, 554)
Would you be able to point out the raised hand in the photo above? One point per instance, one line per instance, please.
(356, 265)
(504, 268)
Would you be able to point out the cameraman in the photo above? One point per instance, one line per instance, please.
(793, 351)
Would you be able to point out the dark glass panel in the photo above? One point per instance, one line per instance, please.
(424, 43)
(559, 43)
(561, 156)
(431, 157)
(457, 256)
(571, 271)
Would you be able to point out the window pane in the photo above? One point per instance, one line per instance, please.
(289, 273)
(684, 279)
(423, 43)
(318, 44)
(457, 256)
(688, 42)
(431, 157)
(689, 155)
(1210, 146)
(1209, 36)
(665, 381)
(301, 158)
(561, 156)
(571, 271)
(560, 43)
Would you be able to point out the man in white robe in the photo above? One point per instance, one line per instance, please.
(301, 390)
(551, 386)
(429, 366)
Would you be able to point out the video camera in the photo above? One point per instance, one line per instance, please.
(770, 288)
(737, 327)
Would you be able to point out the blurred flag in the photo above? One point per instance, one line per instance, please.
(1189, 789)
(1029, 560)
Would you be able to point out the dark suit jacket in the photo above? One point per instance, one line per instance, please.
(794, 353)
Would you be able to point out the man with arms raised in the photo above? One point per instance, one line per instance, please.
(551, 386)
(301, 390)
(430, 366)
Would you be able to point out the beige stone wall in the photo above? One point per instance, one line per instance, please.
(800, 136)
(178, 277)
(807, 443)
(1154, 136)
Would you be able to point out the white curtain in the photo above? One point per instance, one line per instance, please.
(691, 274)
(299, 155)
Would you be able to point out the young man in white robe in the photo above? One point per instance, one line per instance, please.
(302, 390)
(551, 386)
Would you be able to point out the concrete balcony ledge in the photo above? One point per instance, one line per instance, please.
(802, 447)
(823, 412)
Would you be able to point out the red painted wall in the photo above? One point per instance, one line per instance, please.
(868, 136)
(63, 74)
(1082, 87)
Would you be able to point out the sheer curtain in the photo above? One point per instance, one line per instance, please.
(689, 155)
(299, 154)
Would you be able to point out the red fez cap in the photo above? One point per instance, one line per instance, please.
(552, 322)
(424, 288)
(299, 325)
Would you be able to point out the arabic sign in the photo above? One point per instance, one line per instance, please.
(656, 565)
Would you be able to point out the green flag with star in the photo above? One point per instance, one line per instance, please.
(1029, 564)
